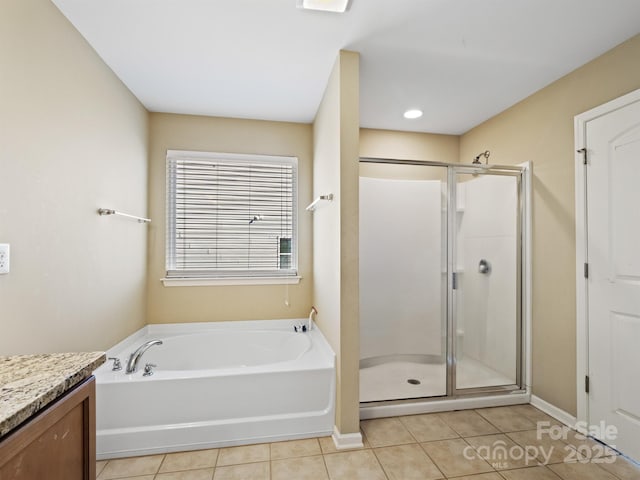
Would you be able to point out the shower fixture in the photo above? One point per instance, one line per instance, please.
(485, 154)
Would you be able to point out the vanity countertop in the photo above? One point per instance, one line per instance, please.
(28, 383)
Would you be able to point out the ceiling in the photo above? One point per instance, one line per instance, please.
(460, 61)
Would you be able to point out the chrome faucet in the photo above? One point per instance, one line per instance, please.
(132, 364)
(116, 364)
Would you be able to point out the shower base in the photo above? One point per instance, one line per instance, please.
(401, 379)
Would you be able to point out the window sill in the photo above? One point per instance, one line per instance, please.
(211, 282)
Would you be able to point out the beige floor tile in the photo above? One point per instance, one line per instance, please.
(200, 474)
(588, 447)
(581, 471)
(468, 423)
(407, 462)
(243, 454)
(247, 471)
(429, 427)
(131, 467)
(507, 419)
(502, 452)
(482, 476)
(548, 450)
(295, 448)
(327, 445)
(354, 465)
(535, 415)
(620, 467)
(100, 466)
(455, 458)
(532, 473)
(365, 441)
(301, 468)
(384, 432)
(174, 462)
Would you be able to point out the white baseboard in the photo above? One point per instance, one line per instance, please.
(344, 441)
(557, 413)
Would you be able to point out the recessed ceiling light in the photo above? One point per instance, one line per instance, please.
(412, 114)
(338, 6)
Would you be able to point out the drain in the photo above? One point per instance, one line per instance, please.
(413, 381)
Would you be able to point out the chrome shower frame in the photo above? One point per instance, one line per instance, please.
(477, 397)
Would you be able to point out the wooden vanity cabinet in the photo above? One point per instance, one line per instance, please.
(58, 443)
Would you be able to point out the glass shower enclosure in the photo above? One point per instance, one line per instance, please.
(440, 280)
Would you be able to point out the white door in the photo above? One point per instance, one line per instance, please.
(613, 285)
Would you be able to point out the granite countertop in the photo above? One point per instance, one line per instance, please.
(28, 383)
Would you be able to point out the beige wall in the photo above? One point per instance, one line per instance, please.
(409, 145)
(335, 265)
(220, 303)
(72, 139)
(397, 145)
(540, 129)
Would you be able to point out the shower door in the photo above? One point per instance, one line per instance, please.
(485, 264)
(440, 280)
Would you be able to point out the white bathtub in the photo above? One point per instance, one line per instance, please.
(215, 384)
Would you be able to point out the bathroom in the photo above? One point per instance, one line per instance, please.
(73, 139)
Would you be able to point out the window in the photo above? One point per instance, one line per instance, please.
(231, 216)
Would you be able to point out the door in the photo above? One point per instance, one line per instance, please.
(613, 284)
(486, 261)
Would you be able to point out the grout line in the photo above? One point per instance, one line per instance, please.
(384, 472)
(488, 421)
(164, 457)
(326, 469)
(432, 460)
(479, 457)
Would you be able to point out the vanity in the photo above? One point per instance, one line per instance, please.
(47, 416)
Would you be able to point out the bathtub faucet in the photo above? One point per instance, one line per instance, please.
(132, 364)
(301, 327)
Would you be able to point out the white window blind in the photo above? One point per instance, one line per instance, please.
(231, 215)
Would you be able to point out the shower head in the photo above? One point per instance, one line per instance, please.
(485, 154)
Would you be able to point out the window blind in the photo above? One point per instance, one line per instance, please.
(231, 215)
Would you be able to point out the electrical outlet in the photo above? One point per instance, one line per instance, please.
(4, 258)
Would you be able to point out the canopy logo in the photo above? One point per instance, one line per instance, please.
(556, 443)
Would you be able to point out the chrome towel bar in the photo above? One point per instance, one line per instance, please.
(316, 203)
(108, 211)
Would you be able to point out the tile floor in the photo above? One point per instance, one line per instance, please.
(486, 444)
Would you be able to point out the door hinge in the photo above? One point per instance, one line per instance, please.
(454, 281)
(586, 383)
(586, 270)
(583, 151)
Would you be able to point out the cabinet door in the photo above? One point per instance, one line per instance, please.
(56, 444)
